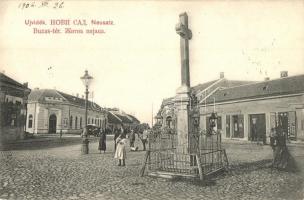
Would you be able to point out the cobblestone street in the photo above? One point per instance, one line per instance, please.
(62, 173)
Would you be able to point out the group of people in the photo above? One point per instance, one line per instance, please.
(120, 143)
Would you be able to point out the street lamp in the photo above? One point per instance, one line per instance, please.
(86, 79)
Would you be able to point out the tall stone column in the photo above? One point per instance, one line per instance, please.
(182, 98)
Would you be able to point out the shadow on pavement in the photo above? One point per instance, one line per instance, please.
(43, 143)
(247, 167)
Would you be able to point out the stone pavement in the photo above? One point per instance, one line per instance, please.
(60, 172)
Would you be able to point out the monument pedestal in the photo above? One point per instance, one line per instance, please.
(181, 104)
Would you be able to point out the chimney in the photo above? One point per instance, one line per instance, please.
(284, 74)
(25, 84)
(266, 79)
(222, 75)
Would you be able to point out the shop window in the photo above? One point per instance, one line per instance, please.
(238, 126)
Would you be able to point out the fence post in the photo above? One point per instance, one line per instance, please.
(142, 171)
(200, 170)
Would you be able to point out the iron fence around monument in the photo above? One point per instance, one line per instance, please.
(204, 156)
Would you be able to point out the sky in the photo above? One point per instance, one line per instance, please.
(136, 62)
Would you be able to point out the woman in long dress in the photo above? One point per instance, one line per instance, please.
(120, 152)
(102, 142)
(282, 158)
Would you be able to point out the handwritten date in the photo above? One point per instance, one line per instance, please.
(42, 4)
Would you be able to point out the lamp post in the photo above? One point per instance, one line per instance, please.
(86, 79)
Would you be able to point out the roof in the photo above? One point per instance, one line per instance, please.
(275, 87)
(134, 119)
(8, 80)
(113, 119)
(202, 86)
(167, 101)
(123, 118)
(79, 101)
(40, 94)
(224, 83)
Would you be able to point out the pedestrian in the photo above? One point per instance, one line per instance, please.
(84, 132)
(272, 137)
(120, 152)
(132, 139)
(117, 132)
(282, 158)
(145, 138)
(102, 142)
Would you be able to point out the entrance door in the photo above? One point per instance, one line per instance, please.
(257, 127)
(52, 124)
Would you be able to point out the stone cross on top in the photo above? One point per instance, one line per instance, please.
(185, 35)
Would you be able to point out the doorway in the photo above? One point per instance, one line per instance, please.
(257, 127)
(52, 123)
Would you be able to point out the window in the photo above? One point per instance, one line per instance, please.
(88, 120)
(30, 122)
(71, 122)
(238, 126)
(76, 122)
(65, 122)
(169, 121)
(219, 122)
(80, 122)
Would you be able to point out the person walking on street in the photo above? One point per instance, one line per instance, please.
(120, 152)
(116, 135)
(145, 138)
(132, 139)
(102, 142)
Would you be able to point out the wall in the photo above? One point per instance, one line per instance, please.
(42, 112)
(266, 106)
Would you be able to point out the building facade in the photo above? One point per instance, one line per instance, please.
(13, 99)
(248, 111)
(118, 119)
(52, 111)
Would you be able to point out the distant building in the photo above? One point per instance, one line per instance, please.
(13, 99)
(248, 110)
(52, 111)
(117, 119)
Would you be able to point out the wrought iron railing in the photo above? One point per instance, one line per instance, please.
(203, 157)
